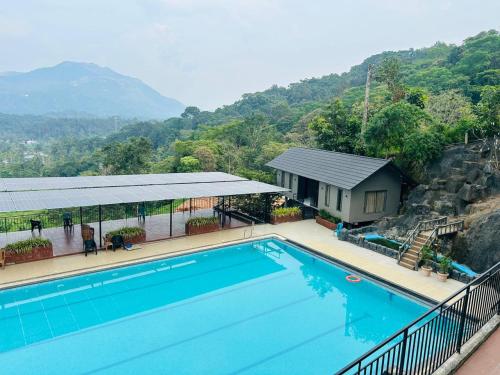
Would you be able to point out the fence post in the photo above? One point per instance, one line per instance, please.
(462, 320)
(403, 352)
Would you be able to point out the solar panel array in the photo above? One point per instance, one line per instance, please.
(58, 192)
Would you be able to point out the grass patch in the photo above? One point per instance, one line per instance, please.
(385, 242)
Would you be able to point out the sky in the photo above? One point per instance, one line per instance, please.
(209, 52)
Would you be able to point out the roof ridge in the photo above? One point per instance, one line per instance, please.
(338, 152)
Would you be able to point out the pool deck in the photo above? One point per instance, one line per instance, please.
(306, 232)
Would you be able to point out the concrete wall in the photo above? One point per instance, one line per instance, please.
(384, 179)
(332, 207)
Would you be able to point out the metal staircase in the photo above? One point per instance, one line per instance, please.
(424, 234)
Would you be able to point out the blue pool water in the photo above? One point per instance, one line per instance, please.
(262, 307)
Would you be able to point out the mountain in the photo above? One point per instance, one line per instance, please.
(72, 88)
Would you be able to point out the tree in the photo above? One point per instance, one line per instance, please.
(206, 158)
(189, 164)
(417, 96)
(335, 129)
(388, 127)
(389, 72)
(129, 157)
(190, 112)
(488, 110)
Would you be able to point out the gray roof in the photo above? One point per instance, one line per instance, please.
(23, 194)
(334, 168)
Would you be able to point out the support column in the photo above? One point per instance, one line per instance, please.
(171, 215)
(81, 217)
(190, 206)
(223, 212)
(267, 208)
(100, 227)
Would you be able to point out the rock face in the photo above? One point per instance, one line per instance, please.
(479, 246)
(464, 183)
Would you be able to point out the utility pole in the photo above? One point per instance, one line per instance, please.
(367, 98)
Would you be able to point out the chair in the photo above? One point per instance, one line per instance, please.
(107, 242)
(88, 235)
(141, 212)
(36, 224)
(68, 221)
(117, 242)
(89, 246)
(2, 258)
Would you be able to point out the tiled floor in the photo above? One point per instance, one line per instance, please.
(157, 227)
(486, 360)
(306, 232)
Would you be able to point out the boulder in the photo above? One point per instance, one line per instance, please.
(454, 183)
(479, 247)
(471, 192)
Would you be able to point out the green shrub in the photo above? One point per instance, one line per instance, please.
(127, 232)
(26, 246)
(202, 221)
(328, 216)
(385, 242)
(426, 255)
(286, 211)
(444, 265)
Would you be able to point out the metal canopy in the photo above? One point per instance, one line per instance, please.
(23, 194)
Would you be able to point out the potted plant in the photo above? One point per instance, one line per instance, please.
(327, 220)
(444, 268)
(426, 258)
(36, 248)
(285, 215)
(202, 224)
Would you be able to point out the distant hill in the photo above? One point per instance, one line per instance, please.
(72, 88)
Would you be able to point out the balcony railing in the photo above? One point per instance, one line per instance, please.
(425, 344)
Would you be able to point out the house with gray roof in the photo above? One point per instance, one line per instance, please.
(353, 188)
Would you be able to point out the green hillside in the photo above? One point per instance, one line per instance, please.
(420, 100)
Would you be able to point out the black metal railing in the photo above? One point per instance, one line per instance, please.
(425, 344)
(54, 218)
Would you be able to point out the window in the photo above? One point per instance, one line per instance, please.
(282, 179)
(327, 196)
(290, 179)
(375, 201)
(339, 199)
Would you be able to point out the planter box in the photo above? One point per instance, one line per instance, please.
(192, 229)
(37, 253)
(285, 219)
(135, 239)
(326, 223)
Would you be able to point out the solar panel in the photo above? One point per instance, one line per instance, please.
(192, 185)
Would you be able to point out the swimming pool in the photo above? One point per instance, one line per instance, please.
(260, 307)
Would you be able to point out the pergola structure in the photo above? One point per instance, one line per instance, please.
(50, 193)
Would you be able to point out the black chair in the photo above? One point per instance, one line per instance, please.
(117, 242)
(36, 224)
(89, 246)
(68, 221)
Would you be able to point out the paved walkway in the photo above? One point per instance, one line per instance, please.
(306, 232)
(486, 359)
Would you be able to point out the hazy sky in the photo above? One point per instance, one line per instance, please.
(209, 52)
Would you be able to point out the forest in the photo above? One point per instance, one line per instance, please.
(420, 100)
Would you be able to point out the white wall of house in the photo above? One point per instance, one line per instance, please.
(330, 205)
(383, 180)
(294, 183)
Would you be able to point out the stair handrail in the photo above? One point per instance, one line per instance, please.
(421, 226)
(458, 225)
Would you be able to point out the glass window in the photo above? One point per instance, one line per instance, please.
(327, 196)
(290, 180)
(339, 199)
(375, 201)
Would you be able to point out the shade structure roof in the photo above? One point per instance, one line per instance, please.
(334, 168)
(23, 194)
